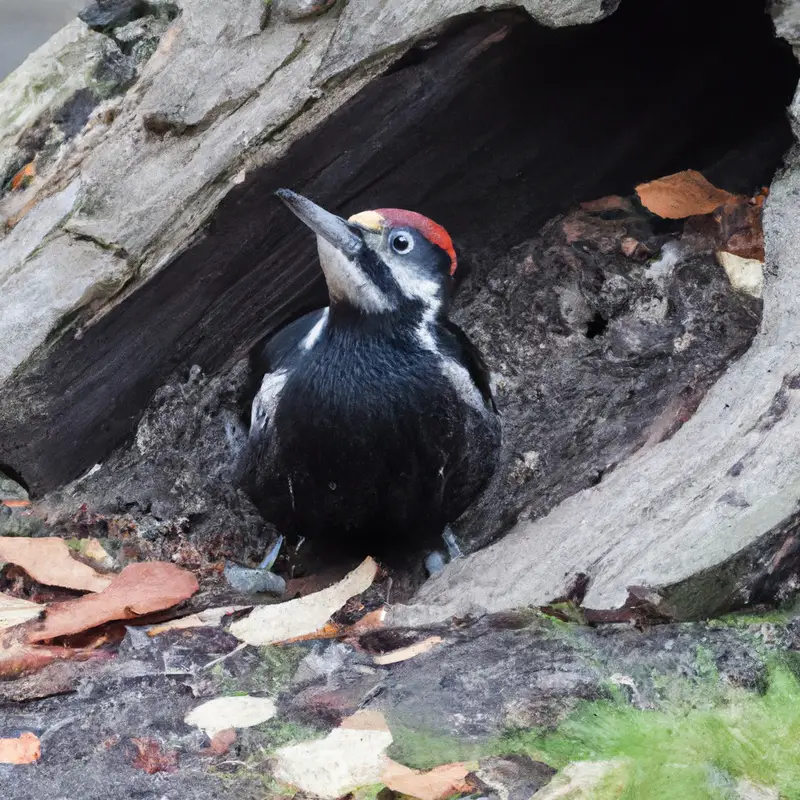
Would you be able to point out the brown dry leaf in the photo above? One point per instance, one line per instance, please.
(139, 589)
(47, 560)
(330, 630)
(684, 194)
(210, 618)
(404, 653)
(25, 749)
(152, 758)
(435, 784)
(221, 742)
(333, 630)
(19, 657)
(15, 611)
(369, 622)
(366, 719)
(305, 615)
(739, 227)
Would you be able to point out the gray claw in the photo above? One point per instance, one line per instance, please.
(272, 556)
(253, 581)
(453, 549)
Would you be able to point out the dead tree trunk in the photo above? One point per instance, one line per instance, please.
(140, 239)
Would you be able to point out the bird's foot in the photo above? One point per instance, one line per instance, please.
(436, 561)
(258, 580)
(453, 549)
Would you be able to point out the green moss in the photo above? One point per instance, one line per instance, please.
(276, 667)
(275, 733)
(744, 619)
(425, 749)
(683, 750)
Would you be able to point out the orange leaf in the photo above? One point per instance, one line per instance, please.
(369, 622)
(47, 560)
(19, 657)
(25, 749)
(684, 194)
(221, 742)
(139, 589)
(152, 758)
(435, 784)
(24, 176)
(15, 503)
(330, 630)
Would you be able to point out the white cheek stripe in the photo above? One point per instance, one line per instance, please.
(457, 374)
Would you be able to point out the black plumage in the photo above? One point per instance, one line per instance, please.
(375, 424)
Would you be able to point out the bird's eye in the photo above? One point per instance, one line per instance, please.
(402, 243)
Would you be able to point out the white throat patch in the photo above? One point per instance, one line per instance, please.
(346, 281)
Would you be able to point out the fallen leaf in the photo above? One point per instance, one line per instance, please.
(277, 623)
(25, 749)
(139, 589)
(13, 503)
(330, 630)
(739, 227)
(221, 713)
(221, 742)
(348, 757)
(24, 176)
(333, 630)
(434, 784)
(47, 560)
(745, 274)
(369, 622)
(367, 719)
(15, 611)
(152, 758)
(404, 653)
(210, 618)
(19, 657)
(684, 194)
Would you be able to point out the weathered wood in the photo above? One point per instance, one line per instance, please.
(474, 132)
(491, 124)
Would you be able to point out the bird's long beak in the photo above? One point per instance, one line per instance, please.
(331, 228)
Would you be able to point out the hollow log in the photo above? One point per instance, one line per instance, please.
(141, 239)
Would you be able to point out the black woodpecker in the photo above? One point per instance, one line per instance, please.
(374, 425)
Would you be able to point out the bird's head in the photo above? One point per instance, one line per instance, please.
(377, 261)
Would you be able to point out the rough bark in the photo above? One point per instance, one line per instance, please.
(160, 206)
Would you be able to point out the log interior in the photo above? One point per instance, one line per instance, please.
(492, 127)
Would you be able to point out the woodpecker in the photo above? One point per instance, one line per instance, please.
(374, 425)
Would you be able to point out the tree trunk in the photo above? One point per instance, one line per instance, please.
(141, 239)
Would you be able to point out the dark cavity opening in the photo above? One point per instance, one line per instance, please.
(491, 130)
(597, 326)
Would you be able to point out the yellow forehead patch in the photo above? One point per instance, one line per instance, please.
(371, 220)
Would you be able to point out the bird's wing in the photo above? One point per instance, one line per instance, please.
(274, 357)
(471, 358)
(282, 350)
